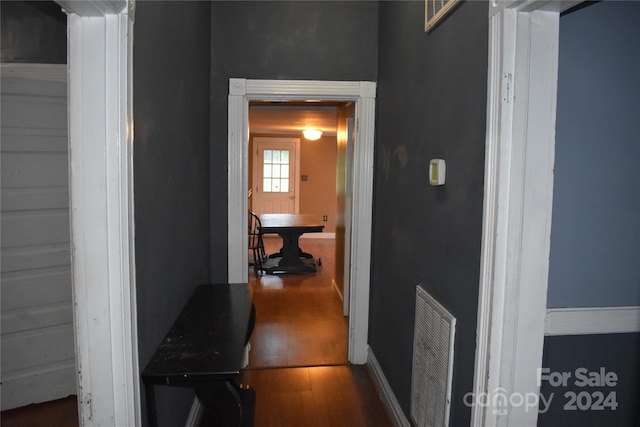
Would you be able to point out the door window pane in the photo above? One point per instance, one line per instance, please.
(275, 171)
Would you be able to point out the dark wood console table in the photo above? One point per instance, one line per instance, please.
(204, 348)
(290, 227)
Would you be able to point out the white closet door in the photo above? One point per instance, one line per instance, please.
(38, 352)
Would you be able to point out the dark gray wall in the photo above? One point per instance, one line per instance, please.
(171, 163)
(595, 234)
(615, 353)
(33, 32)
(431, 104)
(279, 40)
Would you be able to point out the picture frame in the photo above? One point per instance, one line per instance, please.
(435, 10)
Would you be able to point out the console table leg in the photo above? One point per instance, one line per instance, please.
(151, 405)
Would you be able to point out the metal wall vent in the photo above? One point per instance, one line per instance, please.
(432, 362)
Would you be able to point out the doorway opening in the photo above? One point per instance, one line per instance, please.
(302, 317)
(362, 95)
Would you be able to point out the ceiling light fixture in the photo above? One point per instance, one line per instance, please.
(312, 134)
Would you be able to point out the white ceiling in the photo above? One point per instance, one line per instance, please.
(292, 119)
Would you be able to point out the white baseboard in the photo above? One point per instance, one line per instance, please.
(335, 288)
(384, 390)
(592, 320)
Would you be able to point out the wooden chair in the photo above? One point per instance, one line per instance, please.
(256, 245)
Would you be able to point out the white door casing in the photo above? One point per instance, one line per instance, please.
(348, 216)
(241, 91)
(100, 37)
(518, 196)
(346, 283)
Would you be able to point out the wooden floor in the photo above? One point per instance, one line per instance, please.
(299, 316)
(322, 396)
(298, 359)
(59, 413)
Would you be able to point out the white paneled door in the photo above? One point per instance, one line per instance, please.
(274, 187)
(38, 353)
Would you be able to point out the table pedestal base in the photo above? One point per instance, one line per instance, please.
(272, 266)
(290, 258)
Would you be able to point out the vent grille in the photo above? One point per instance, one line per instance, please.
(432, 362)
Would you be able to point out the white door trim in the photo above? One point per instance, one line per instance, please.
(520, 141)
(241, 91)
(100, 35)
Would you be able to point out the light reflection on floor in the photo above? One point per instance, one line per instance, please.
(271, 282)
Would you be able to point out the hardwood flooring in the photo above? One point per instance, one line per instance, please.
(298, 360)
(58, 413)
(322, 396)
(299, 319)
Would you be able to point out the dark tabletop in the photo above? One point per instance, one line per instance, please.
(274, 223)
(206, 342)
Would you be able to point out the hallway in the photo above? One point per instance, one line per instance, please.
(298, 359)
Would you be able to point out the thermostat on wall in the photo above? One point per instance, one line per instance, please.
(437, 171)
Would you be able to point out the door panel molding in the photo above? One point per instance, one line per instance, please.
(38, 350)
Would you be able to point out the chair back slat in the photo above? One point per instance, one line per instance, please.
(256, 244)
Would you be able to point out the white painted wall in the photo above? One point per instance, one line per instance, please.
(38, 354)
